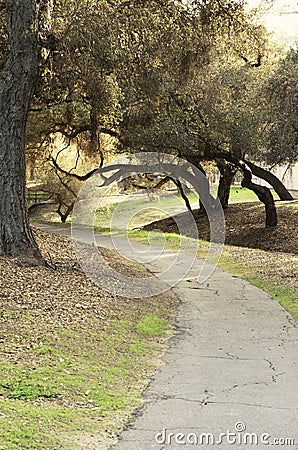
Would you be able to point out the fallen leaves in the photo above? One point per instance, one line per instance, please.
(65, 297)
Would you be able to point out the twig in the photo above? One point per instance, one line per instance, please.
(51, 264)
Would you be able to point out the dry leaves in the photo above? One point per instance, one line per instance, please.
(64, 297)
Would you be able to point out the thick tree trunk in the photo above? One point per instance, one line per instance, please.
(264, 195)
(17, 84)
(227, 174)
(275, 182)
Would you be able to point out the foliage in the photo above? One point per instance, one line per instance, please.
(282, 104)
(127, 67)
(189, 78)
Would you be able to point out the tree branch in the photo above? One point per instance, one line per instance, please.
(74, 175)
(263, 194)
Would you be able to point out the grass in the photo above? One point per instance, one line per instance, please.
(153, 326)
(25, 425)
(286, 296)
(21, 389)
(78, 380)
(243, 195)
(145, 210)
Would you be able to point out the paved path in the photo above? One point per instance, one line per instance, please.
(233, 362)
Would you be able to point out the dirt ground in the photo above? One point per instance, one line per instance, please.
(59, 296)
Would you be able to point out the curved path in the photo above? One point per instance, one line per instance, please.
(232, 365)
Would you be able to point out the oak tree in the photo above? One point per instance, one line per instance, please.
(28, 31)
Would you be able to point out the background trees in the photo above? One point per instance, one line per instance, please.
(281, 91)
(183, 79)
(194, 79)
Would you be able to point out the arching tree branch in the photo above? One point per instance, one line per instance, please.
(263, 194)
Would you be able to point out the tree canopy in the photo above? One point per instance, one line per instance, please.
(195, 79)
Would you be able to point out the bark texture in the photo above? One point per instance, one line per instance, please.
(264, 195)
(17, 83)
(227, 174)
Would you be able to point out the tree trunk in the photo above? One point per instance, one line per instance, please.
(227, 174)
(17, 84)
(264, 195)
(277, 185)
(68, 210)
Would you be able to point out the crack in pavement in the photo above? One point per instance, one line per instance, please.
(266, 383)
(255, 405)
(206, 401)
(274, 377)
(271, 365)
(229, 357)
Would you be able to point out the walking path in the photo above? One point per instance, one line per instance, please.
(230, 371)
